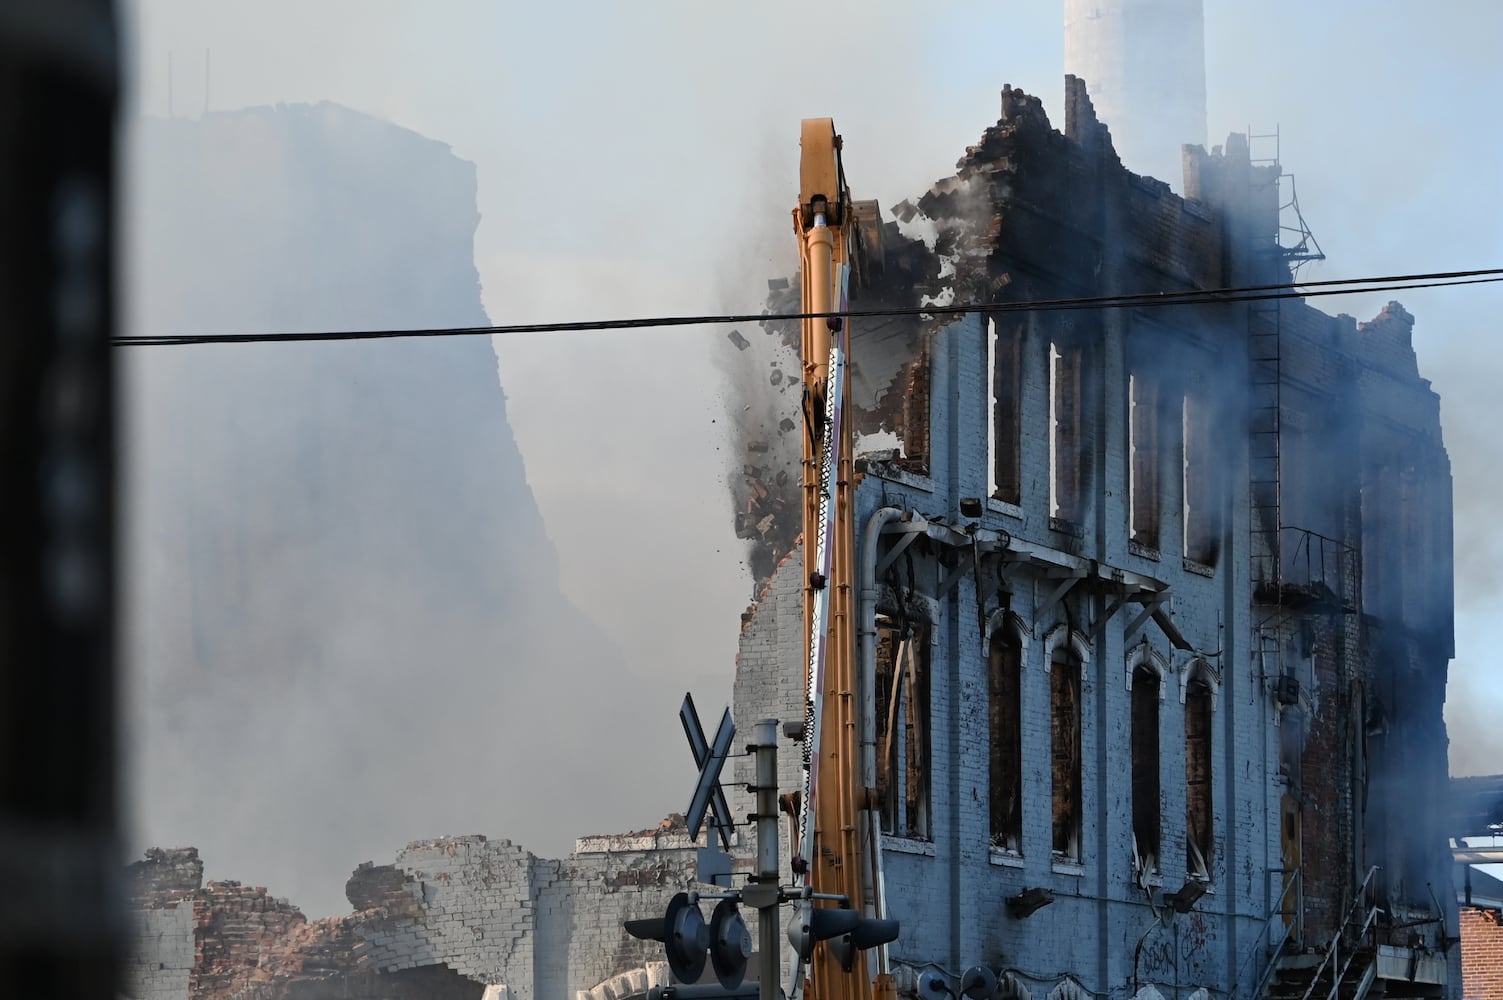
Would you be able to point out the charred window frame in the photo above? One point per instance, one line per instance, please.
(1005, 389)
(1067, 444)
(1066, 665)
(1144, 487)
(902, 730)
(1200, 700)
(916, 395)
(1146, 690)
(1201, 497)
(1005, 725)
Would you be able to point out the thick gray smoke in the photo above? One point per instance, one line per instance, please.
(761, 376)
(346, 630)
(648, 166)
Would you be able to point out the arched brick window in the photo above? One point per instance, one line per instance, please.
(1067, 658)
(903, 742)
(1146, 674)
(1004, 675)
(1200, 696)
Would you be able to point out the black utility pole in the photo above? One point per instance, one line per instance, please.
(59, 919)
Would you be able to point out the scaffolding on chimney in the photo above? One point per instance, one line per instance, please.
(1293, 241)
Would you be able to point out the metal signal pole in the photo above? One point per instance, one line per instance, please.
(765, 746)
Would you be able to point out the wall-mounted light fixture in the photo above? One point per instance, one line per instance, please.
(1028, 901)
(1184, 900)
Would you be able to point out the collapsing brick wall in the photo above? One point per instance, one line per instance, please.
(160, 891)
(449, 918)
(889, 378)
(226, 940)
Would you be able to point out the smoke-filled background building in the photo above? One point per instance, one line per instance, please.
(345, 615)
(592, 202)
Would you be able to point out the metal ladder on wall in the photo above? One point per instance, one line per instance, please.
(1265, 494)
(1265, 432)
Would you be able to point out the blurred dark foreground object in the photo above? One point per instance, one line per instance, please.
(60, 921)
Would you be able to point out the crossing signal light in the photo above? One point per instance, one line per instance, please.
(811, 924)
(685, 937)
(689, 942)
(868, 933)
(730, 944)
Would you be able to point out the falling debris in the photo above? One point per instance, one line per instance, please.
(741, 342)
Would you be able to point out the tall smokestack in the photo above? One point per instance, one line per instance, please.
(1144, 64)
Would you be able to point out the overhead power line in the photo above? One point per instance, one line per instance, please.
(1213, 296)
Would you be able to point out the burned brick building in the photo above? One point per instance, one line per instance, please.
(1154, 620)
(1155, 600)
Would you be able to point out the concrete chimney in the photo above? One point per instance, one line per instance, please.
(1144, 64)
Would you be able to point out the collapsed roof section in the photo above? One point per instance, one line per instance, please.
(972, 237)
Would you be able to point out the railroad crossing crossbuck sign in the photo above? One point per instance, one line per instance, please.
(709, 759)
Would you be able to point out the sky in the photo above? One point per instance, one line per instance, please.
(642, 160)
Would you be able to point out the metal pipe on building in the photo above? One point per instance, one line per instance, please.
(1477, 856)
(866, 638)
(866, 688)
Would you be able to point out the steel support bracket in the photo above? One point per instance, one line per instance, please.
(901, 546)
(1150, 610)
(1057, 595)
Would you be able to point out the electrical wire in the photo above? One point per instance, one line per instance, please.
(1215, 296)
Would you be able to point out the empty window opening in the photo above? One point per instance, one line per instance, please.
(1004, 388)
(915, 410)
(1146, 692)
(1143, 464)
(1201, 508)
(1198, 829)
(1004, 695)
(903, 761)
(1064, 697)
(1066, 444)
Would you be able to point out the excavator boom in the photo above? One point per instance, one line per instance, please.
(831, 827)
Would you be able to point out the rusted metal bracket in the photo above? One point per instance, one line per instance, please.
(951, 581)
(1171, 631)
(1150, 610)
(1099, 628)
(1057, 595)
(910, 534)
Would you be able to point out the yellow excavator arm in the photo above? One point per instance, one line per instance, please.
(833, 817)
